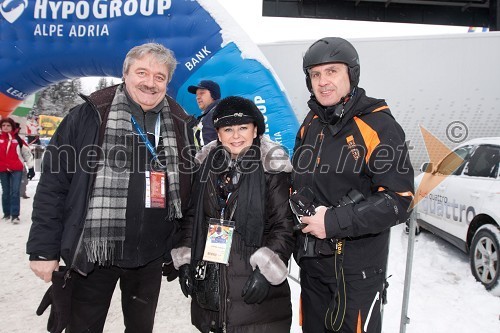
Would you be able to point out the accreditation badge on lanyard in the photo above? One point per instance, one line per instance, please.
(219, 238)
(155, 189)
(155, 193)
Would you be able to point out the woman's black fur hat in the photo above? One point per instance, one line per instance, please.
(236, 110)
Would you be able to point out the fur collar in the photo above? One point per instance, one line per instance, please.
(273, 156)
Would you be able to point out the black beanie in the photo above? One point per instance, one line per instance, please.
(236, 110)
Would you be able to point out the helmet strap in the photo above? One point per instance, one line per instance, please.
(343, 102)
(339, 110)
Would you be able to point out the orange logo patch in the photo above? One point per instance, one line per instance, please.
(352, 147)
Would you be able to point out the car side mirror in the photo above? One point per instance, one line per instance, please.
(427, 167)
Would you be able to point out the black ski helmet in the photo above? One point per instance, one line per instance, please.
(329, 50)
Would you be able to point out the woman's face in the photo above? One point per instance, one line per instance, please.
(6, 127)
(238, 138)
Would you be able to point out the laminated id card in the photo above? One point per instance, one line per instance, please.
(219, 240)
(155, 189)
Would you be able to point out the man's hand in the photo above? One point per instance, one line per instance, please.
(58, 296)
(44, 268)
(315, 223)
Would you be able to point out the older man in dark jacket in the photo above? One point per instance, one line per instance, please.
(109, 198)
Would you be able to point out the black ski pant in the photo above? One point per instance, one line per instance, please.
(363, 306)
(91, 297)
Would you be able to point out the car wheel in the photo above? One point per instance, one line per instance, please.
(484, 255)
(407, 228)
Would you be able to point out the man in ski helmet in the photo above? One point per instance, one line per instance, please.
(350, 156)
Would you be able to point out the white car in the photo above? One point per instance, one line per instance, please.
(460, 202)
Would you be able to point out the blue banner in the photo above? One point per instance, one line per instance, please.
(46, 41)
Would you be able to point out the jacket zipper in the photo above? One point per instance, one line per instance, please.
(321, 136)
(223, 297)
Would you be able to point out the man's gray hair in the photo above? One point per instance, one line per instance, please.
(160, 52)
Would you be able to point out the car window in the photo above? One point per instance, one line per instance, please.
(484, 162)
(454, 162)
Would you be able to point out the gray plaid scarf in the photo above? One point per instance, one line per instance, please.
(104, 230)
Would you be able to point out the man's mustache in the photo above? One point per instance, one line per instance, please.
(145, 88)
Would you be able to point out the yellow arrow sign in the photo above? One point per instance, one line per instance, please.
(438, 153)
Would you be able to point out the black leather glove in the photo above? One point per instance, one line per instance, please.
(58, 296)
(186, 280)
(256, 288)
(169, 271)
(31, 173)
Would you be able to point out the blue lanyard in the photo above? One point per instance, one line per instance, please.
(144, 137)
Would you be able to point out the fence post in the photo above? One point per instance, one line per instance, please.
(409, 263)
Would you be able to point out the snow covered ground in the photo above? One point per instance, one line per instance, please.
(444, 296)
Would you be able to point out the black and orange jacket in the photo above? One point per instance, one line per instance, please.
(364, 150)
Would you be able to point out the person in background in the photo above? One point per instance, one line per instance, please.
(14, 153)
(24, 185)
(33, 129)
(24, 178)
(240, 208)
(109, 199)
(207, 96)
(350, 153)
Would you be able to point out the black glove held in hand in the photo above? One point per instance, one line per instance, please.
(58, 296)
(256, 288)
(31, 173)
(186, 280)
(169, 271)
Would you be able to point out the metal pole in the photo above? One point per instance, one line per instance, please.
(409, 263)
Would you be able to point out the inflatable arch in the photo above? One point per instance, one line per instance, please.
(46, 41)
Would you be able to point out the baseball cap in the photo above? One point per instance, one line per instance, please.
(210, 85)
